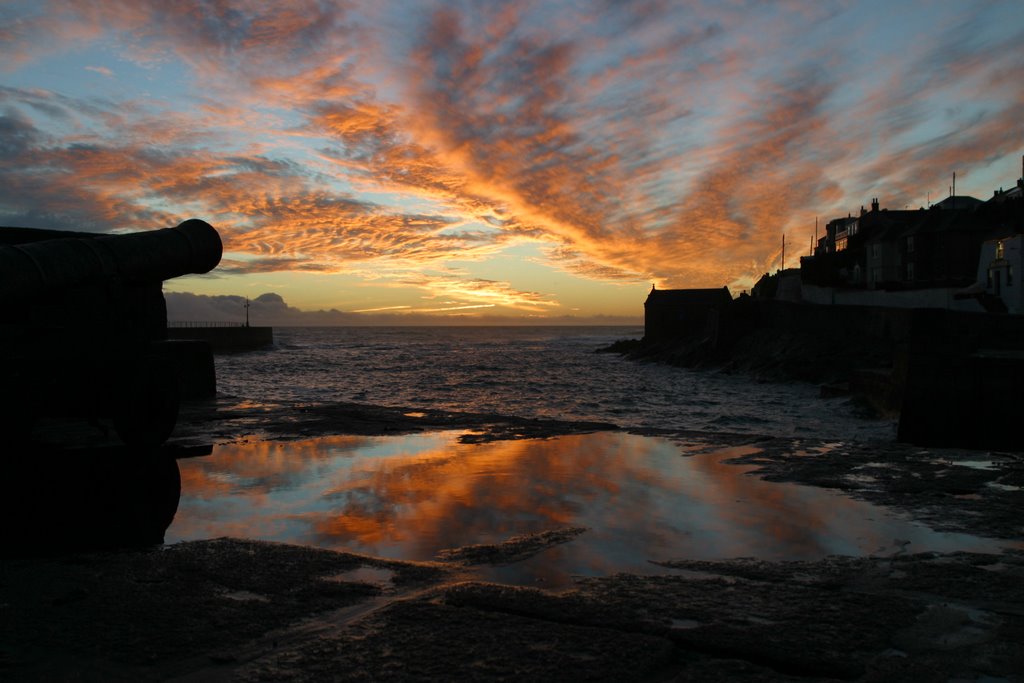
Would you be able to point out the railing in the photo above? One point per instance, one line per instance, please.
(200, 323)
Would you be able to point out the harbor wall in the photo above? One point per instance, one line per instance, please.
(226, 339)
(956, 378)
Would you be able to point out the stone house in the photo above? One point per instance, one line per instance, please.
(676, 313)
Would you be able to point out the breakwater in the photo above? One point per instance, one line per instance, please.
(225, 338)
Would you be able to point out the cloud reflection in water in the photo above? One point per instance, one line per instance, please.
(408, 497)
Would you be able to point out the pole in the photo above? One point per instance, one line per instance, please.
(247, 311)
(783, 251)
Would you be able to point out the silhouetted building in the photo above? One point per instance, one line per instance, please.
(673, 313)
(783, 285)
(915, 258)
(957, 203)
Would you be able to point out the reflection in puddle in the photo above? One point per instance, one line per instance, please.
(409, 497)
(377, 575)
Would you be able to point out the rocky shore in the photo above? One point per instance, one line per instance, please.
(951, 378)
(233, 609)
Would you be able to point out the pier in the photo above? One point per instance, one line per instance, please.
(222, 336)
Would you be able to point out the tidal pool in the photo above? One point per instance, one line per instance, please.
(641, 499)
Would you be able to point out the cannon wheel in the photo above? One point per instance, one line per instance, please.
(149, 404)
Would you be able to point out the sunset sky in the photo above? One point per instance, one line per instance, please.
(497, 161)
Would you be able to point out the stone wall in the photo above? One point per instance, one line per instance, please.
(936, 297)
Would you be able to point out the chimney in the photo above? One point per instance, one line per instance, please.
(874, 204)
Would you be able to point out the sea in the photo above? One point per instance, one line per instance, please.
(532, 372)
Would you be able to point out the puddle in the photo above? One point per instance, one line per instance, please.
(377, 575)
(823, 449)
(244, 596)
(409, 497)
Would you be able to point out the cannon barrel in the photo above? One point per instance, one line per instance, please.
(33, 268)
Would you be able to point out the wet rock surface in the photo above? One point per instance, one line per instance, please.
(513, 550)
(164, 611)
(224, 421)
(244, 610)
(977, 492)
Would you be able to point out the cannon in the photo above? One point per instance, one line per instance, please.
(83, 327)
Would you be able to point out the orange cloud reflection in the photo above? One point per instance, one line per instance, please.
(409, 497)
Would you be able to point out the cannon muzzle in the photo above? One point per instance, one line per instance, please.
(83, 326)
(36, 267)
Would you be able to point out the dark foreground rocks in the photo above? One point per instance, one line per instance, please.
(242, 610)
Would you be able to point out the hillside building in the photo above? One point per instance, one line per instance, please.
(941, 257)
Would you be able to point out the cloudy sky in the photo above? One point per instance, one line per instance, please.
(540, 160)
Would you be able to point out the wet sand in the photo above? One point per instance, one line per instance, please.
(229, 609)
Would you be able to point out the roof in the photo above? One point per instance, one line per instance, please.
(958, 202)
(714, 296)
(879, 226)
(1015, 192)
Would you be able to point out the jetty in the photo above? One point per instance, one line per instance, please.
(223, 336)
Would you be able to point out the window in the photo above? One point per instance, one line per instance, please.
(910, 271)
(910, 244)
(999, 249)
